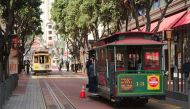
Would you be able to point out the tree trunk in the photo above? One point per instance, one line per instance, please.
(126, 22)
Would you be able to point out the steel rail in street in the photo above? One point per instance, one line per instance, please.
(69, 101)
(57, 101)
(43, 98)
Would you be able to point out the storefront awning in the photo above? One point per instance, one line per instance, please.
(141, 28)
(184, 20)
(153, 25)
(170, 21)
(136, 41)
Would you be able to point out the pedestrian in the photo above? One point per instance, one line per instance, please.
(76, 67)
(60, 65)
(88, 63)
(186, 69)
(92, 78)
(27, 66)
(67, 65)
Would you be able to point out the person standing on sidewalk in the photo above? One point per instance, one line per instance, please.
(88, 63)
(92, 78)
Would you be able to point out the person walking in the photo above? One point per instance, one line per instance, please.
(67, 65)
(60, 65)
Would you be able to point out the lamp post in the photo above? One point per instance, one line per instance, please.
(169, 37)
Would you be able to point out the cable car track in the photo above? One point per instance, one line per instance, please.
(52, 88)
(43, 98)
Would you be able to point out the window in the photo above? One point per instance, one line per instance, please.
(151, 60)
(49, 26)
(50, 38)
(46, 59)
(49, 32)
(101, 62)
(35, 59)
(41, 59)
(120, 59)
(156, 4)
(133, 58)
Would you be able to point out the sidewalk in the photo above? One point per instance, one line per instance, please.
(27, 95)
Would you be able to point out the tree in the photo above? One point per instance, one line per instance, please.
(26, 28)
(145, 7)
(9, 12)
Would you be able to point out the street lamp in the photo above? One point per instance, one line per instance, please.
(169, 37)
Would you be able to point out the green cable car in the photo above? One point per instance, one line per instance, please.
(128, 66)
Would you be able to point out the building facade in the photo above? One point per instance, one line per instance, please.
(49, 35)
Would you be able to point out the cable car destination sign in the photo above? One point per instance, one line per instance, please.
(139, 84)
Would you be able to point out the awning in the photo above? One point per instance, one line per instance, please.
(136, 41)
(170, 21)
(184, 20)
(153, 25)
(167, 22)
(141, 28)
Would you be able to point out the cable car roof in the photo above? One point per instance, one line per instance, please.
(127, 33)
(136, 41)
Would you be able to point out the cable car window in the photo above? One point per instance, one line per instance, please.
(46, 59)
(41, 59)
(151, 60)
(35, 59)
(111, 60)
(120, 59)
(101, 60)
(134, 57)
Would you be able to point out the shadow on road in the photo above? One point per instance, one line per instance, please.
(122, 105)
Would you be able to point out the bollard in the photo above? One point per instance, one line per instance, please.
(188, 94)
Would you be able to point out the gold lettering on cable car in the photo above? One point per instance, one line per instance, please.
(126, 84)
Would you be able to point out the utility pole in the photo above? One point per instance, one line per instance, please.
(169, 37)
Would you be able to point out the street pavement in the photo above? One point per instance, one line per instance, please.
(28, 94)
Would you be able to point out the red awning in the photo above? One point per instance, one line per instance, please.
(153, 25)
(136, 41)
(170, 21)
(141, 28)
(184, 20)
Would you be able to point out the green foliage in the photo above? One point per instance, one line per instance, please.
(78, 18)
(26, 26)
(21, 17)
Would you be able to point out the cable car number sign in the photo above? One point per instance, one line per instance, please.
(145, 84)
